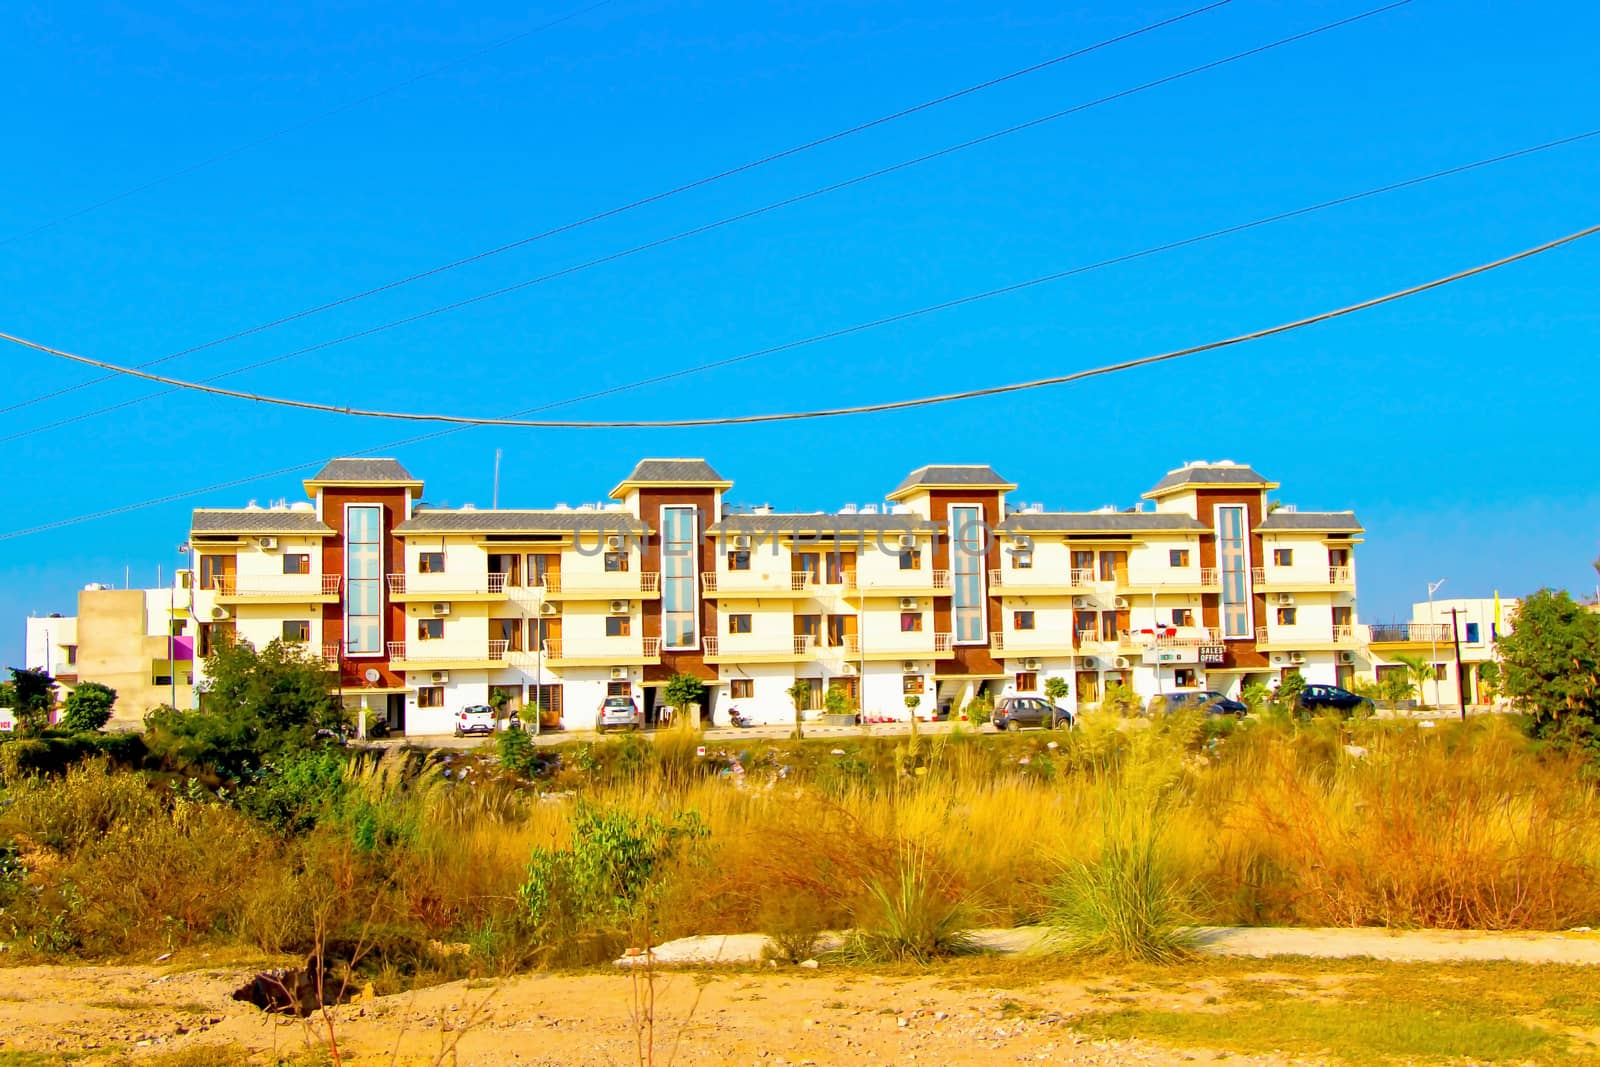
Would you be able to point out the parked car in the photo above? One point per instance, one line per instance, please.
(475, 719)
(1332, 698)
(1208, 700)
(1013, 713)
(619, 711)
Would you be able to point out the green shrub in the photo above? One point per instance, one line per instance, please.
(295, 793)
(915, 914)
(88, 707)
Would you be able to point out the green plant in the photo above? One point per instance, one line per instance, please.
(33, 694)
(1120, 699)
(912, 700)
(1255, 696)
(682, 690)
(914, 914)
(1394, 687)
(1419, 672)
(793, 923)
(1056, 689)
(88, 707)
(1286, 698)
(800, 696)
(1489, 678)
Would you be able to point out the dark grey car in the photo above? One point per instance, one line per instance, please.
(1013, 713)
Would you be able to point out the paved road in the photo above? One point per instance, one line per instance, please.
(715, 735)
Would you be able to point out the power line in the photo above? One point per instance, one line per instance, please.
(303, 123)
(860, 409)
(832, 334)
(694, 231)
(615, 211)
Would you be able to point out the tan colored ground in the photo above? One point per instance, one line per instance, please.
(762, 1018)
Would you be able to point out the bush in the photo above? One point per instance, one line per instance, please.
(915, 914)
(88, 707)
(297, 792)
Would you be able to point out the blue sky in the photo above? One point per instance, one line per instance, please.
(1458, 424)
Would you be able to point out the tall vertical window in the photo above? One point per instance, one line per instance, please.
(1233, 566)
(680, 545)
(363, 583)
(967, 537)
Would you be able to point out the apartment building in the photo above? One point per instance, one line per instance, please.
(1432, 636)
(947, 589)
(140, 642)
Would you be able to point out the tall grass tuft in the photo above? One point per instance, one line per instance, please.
(914, 914)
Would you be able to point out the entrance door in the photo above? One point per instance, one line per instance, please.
(396, 713)
(1088, 687)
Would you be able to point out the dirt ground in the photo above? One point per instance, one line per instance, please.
(764, 1018)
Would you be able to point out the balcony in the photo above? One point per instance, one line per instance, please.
(1031, 643)
(332, 652)
(1178, 580)
(742, 648)
(603, 652)
(1286, 579)
(898, 583)
(601, 585)
(1038, 582)
(754, 584)
(446, 587)
(900, 646)
(1409, 633)
(1095, 641)
(276, 588)
(440, 655)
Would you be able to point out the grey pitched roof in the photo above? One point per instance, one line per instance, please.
(820, 523)
(442, 521)
(952, 474)
(1329, 521)
(1100, 522)
(1208, 474)
(256, 521)
(363, 470)
(674, 472)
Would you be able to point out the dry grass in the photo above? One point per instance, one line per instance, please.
(1459, 826)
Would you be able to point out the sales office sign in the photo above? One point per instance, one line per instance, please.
(8, 721)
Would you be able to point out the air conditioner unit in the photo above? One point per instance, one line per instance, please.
(1123, 663)
(1286, 598)
(441, 608)
(1297, 657)
(619, 607)
(1090, 663)
(908, 542)
(1030, 664)
(219, 612)
(619, 674)
(908, 603)
(1082, 602)
(549, 609)
(740, 541)
(1347, 657)
(613, 543)
(267, 543)
(1120, 603)
(908, 666)
(440, 676)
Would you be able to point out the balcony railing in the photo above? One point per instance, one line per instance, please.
(1344, 634)
(1286, 576)
(1087, 638)
(441, 651)
(446, 585)
(608, 583)
(713, 582)
(1340, 575)
(1379, 633)
(901, 644)
(1209, 578)
(733, 647)
(618, 652)
(1029, 641)
(275, 585)
(1171, 637)
(332, 651)
(1025, 578)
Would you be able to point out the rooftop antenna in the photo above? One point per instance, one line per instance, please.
(494, 501)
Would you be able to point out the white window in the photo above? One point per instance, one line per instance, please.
(363, 585)
(680, 600)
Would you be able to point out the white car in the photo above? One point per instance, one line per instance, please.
(619, 711)
(475, 719)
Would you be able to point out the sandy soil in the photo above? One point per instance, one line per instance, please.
(767, 1019)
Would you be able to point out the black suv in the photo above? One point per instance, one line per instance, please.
(1208, 700)
(1013, 713)
(1332, 698)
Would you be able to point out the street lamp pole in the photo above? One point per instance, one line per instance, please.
(1433, 636)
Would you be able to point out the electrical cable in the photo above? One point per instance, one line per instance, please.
(684, 234)
(642, 202)
(821, 413)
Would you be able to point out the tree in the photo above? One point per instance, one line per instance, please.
(912, 700)
(1287, 697)
(683, 690)
(1420, 672)
(33, 694)
(1254, 696)
(800, 695)
(1056, 689)
(88, 707)
(1551, 661)
(1488, 673)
